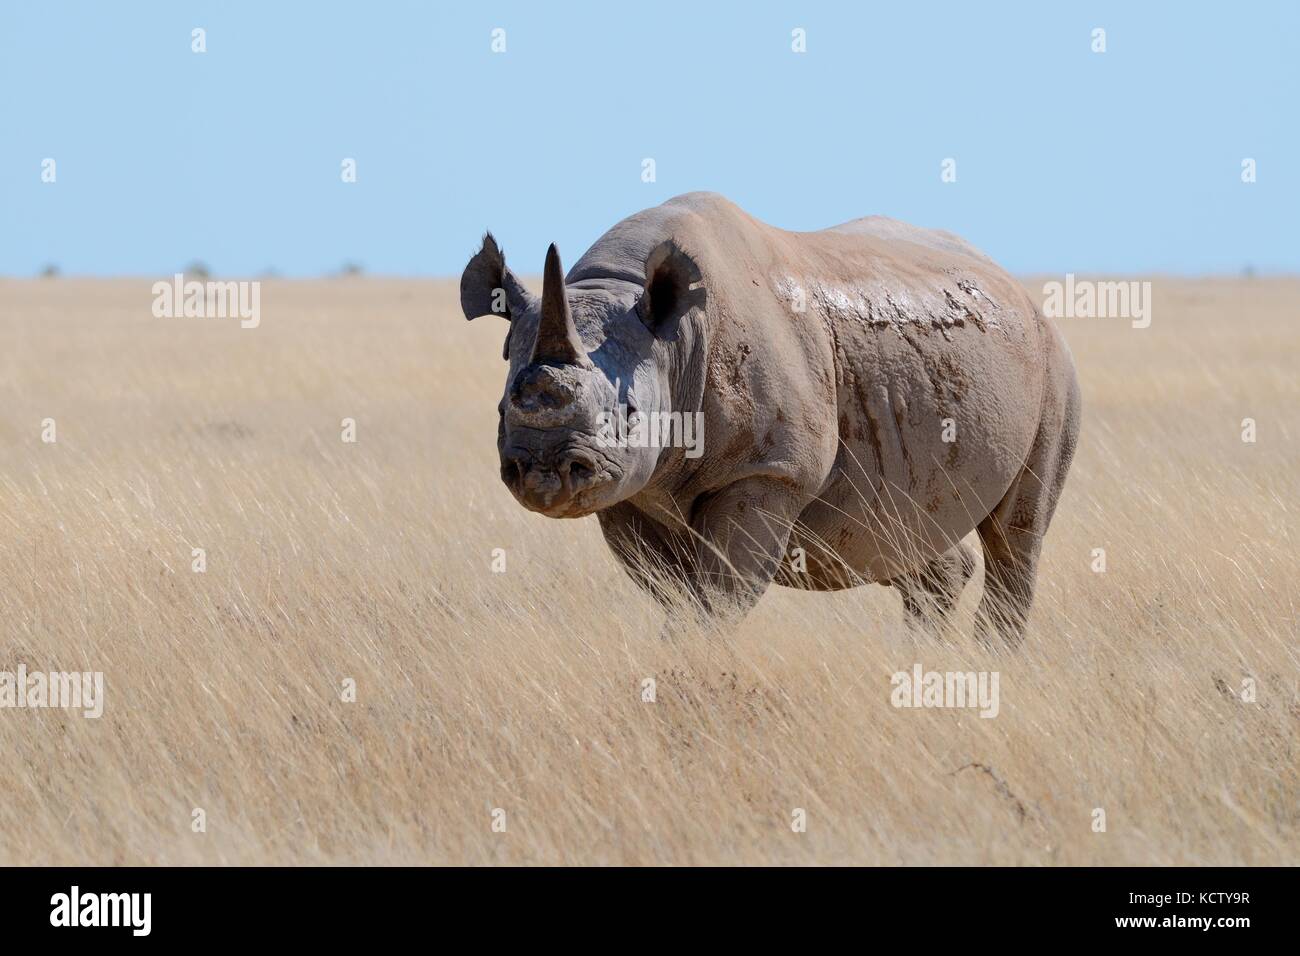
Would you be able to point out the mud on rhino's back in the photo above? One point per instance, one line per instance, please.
(939, 379)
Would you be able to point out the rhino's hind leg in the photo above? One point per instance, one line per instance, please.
(1012, 535)
(1012, 539)
(930, 594)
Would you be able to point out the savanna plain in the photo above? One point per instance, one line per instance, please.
(1162, 690)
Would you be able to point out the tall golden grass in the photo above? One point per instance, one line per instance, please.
(522, 691)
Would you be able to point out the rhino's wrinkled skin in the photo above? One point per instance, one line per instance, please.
(870, 394)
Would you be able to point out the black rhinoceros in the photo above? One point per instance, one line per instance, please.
(862, 398)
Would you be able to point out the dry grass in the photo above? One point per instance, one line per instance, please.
(522, 690)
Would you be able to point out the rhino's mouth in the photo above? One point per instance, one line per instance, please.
(566, 483)
(569, 510)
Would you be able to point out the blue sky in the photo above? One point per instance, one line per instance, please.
(1067, 160)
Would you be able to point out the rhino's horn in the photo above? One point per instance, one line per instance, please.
(557, 337)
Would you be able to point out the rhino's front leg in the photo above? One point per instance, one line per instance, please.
(740, 536)
(658, 559)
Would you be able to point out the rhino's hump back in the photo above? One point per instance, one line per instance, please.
(894, 231)
(620, 254)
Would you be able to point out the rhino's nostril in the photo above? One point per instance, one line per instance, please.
(512, 471)
(581, 470)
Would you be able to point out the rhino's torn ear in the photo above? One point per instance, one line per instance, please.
(487, 287)
(671, 285)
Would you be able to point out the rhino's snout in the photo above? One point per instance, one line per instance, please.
(549, 458)
(550, 487)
